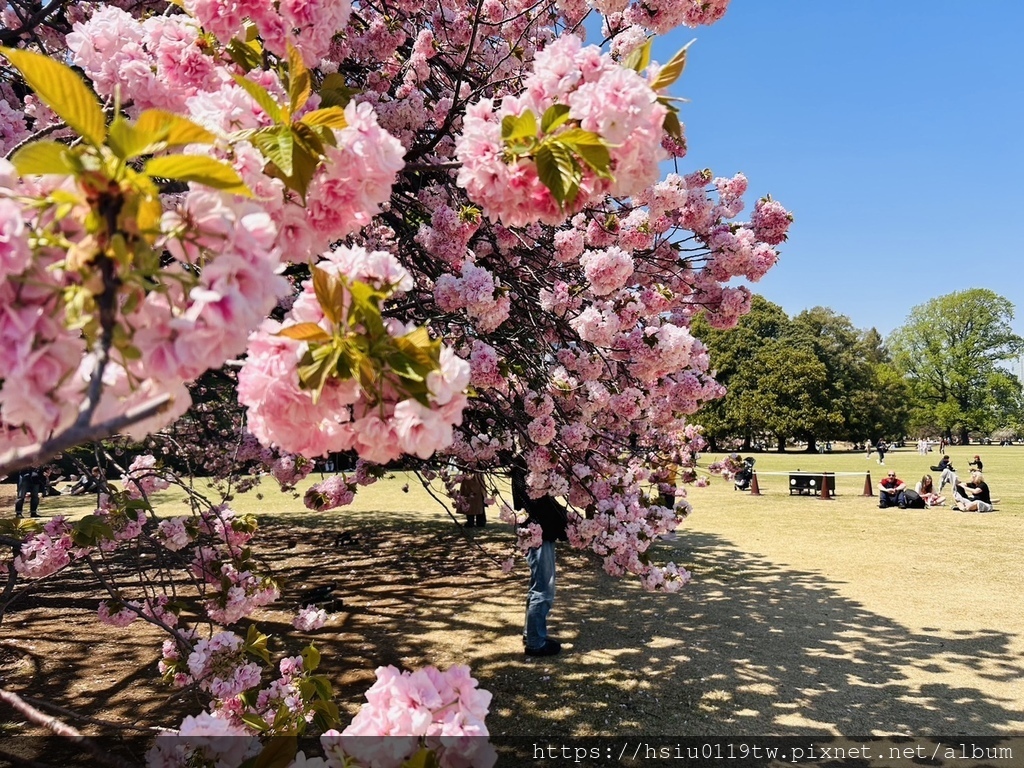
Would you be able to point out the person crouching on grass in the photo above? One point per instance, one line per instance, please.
(891, 492)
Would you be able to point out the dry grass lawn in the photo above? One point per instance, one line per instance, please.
(818, 619)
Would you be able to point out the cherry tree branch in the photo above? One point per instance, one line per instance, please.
(62, 729)
(33, 455)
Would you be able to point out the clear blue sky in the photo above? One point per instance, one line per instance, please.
(892, 130)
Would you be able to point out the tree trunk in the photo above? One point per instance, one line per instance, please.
(812, 445)
(965, 438)
(712, 444)
(782, 444)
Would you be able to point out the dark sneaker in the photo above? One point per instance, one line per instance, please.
(902, 506)
(550, 639)
(550, 648)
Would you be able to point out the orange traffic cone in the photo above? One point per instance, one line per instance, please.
(825, 494)
(869, 489)
(754, 489)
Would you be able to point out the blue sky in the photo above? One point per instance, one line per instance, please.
(892, 130)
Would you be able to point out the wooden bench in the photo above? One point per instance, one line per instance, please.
(809, 483)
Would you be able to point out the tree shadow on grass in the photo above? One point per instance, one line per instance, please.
(749, 649)
(752, 648)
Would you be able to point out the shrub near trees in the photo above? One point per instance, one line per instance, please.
(424, 227)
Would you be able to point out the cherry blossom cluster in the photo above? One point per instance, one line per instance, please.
(143, 478)
(443, 711)
(476, 293)
(344, 416)
(308, 25)
(602, 97)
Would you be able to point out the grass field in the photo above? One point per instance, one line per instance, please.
(820, 619)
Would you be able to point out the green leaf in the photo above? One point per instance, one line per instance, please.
(277, 145)
(279, 752)
(522, 127)
(256, 644)
(122, 137)
(334, 92)
(298, 80)
(548, 173)
(316, 366)
(255, 722)
(91, 530)
(43, 157)
(308, 140)
(310, 332)
(63, 91)
(330, 292)
(310, 658)
(247, 55)
(640, 57)
(262, 97)
(553, 117)
(326, 715)
(672, 70)
(173, 130)
(416, 355)
(322, 686)
(672, 125)
(366, 308)
(202, 170)
(332, 117)
(558, 171)
(591, 148)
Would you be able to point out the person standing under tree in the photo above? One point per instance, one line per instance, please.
(881, 447)
(552, 517)
(31, 483)
(473, 496)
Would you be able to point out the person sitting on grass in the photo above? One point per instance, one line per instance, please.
(975, 495)
(926, 490)
(947, 475)
(892, 492)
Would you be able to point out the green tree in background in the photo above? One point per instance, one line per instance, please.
(949, 350)
(813, 378)
(783, 391)
(730, 351)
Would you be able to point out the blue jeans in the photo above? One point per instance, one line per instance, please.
(891, 500)
(541, 594)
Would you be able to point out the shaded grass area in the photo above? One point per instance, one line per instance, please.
(805, 617)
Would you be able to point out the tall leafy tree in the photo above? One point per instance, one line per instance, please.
(949, 349)
(835, 342)
(783, 392)
(730, 351)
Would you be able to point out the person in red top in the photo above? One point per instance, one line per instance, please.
(891, 492)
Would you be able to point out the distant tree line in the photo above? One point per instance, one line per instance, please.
(815, 377)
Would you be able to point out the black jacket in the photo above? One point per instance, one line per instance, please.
(551, 516)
